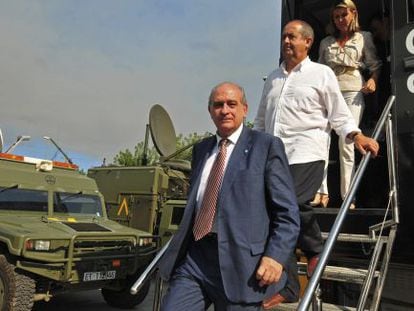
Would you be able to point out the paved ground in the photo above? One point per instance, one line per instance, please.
(88, 301)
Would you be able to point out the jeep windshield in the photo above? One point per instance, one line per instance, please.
(14, 199)
(77, 204)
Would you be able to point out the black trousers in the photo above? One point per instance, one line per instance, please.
(307, 178)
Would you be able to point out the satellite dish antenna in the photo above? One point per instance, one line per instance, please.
(162, 131)
(1, 141)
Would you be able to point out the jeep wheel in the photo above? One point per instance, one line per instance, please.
(16, 290)
(123, 299)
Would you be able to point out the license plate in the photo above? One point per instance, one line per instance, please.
(99, 276)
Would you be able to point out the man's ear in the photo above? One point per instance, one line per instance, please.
(246, 109)
(309, 42)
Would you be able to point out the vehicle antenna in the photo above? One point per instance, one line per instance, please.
(18, 141)
(60, 149)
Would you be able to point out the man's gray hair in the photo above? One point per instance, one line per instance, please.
(241, 89)
(306, 30)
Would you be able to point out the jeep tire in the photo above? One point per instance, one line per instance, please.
(16, 290)
(123, 299)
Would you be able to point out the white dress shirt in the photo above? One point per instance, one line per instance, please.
(301, 107)
(233, 138)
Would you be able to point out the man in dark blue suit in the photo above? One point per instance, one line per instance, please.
(240, 260)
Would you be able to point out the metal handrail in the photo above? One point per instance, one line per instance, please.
(149, 270)
(317, 274)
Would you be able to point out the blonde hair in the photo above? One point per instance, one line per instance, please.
(347, 4)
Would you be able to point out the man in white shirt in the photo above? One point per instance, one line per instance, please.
(301, 103)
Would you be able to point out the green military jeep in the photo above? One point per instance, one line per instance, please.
(55, 236)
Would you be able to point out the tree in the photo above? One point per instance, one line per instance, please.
(191, 139)
(127, 158)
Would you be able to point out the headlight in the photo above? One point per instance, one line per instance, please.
(38, 245)
(144, 241)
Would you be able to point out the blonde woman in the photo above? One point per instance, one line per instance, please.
(348, 51)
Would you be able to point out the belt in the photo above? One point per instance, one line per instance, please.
(211, 236)
(340, 70)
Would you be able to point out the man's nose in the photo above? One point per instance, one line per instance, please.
(225, 108)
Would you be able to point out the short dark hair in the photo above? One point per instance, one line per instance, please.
(241, 89)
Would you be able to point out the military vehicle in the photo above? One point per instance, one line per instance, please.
(55, 236)
(148, 197)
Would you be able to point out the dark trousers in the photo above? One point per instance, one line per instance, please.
(307, 178)
(196, 283)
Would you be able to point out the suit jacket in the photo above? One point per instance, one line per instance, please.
(257, 214)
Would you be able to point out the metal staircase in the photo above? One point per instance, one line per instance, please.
(380, 236)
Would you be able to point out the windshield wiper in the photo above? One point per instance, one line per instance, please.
(70, 196)
(8, 188)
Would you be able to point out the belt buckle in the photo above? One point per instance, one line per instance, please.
(339, 70)
(211, 235)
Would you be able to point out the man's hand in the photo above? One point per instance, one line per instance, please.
(269, 271)
(365, 144)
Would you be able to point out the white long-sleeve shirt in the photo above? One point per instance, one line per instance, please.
(301, 107)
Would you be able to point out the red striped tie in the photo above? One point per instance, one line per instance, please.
(205, 216)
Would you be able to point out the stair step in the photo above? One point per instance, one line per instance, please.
(351, 237)
(358, 211)
(325, 307)
(340, 274)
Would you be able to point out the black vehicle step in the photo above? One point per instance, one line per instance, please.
(356, 211)
(340, 274)
(325, 307)
(351, 237)
(357, 221)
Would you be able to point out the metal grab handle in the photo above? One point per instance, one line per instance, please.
(149, 270)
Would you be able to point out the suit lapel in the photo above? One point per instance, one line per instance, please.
(237, 162)
(238, 159)
(205, 152)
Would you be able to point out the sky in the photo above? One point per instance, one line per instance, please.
(86, 72)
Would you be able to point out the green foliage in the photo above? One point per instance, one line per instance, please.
(127, 158)
(249, 124)
(183, 141)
